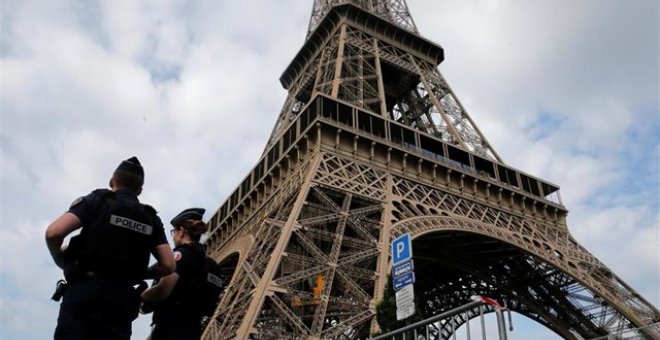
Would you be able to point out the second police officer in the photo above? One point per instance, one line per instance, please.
(180, 300)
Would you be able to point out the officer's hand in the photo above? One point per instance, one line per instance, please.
(60, 257)
(146, 308)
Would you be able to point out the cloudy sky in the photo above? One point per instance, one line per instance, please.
(566, 90)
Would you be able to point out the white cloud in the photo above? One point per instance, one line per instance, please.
(27, 280)
(569, 92)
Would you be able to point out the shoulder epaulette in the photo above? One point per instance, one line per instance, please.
(150, 209)
(103, 192)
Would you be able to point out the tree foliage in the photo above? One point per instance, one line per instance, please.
(386, 311)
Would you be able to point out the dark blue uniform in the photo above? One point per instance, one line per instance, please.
(178, 317)
(117, 236)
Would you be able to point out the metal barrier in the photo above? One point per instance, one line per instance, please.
(411, 332)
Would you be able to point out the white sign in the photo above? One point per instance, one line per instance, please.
(405, 302)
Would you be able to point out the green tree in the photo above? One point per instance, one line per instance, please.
(386, 311)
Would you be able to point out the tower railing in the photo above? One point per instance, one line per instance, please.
(332, 112)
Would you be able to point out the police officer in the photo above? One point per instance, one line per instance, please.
(176, 309)
(108, 258)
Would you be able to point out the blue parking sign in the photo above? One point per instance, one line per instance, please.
(401, 249)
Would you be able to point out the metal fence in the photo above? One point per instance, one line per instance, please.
(427, 329)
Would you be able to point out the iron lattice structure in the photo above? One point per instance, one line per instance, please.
(372, 143)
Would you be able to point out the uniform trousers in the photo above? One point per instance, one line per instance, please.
(94, 308)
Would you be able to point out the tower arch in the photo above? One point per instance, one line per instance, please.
(531, 276)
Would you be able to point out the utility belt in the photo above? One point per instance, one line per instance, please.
(123, 284)
(74, 272)
(130, 287)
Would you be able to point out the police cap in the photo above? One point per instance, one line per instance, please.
(133, 166)
(194, 214)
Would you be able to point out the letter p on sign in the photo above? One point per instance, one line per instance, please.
(401, 249)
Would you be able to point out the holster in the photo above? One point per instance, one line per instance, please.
(60, 288)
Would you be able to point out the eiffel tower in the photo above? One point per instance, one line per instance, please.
(372, 143)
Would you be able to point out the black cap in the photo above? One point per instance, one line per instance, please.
(194, 214)
(132, 165)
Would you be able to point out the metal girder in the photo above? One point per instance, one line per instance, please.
(528, 272)
(411, 90)
(311, 224)
(395, 11)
